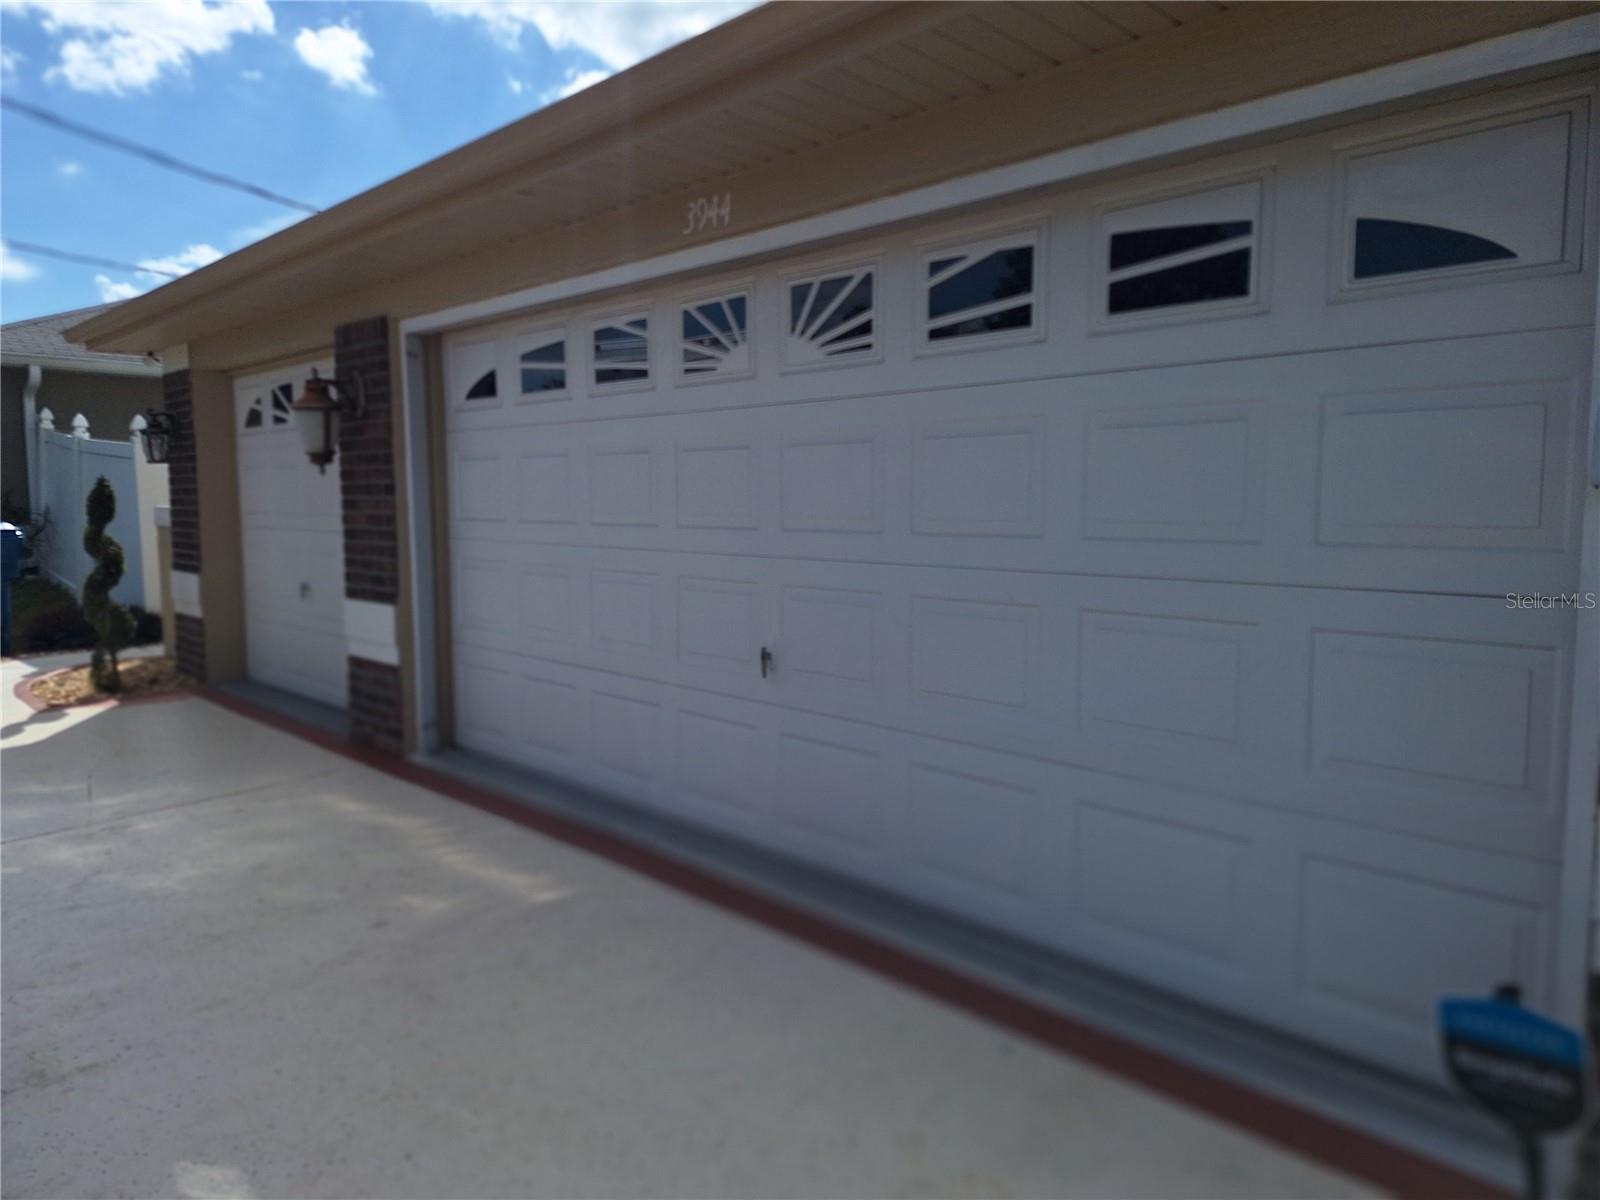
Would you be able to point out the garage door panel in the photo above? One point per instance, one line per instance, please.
(1301, 471)
(1297, 699)
(834, 791)
(983, 832)
(1033, 844)
(1385, 926)
(726, 766)
(1480, 467)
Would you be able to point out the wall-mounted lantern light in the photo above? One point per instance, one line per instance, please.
(318, 410)
(154, 428)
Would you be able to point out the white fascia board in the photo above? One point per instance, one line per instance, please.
(80, 366)
(1527, 49)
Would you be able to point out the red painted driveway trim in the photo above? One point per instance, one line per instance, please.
(1399, 1171)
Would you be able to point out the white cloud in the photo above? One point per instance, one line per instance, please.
(516, 85)
(69, 169)
(619, 34)
(575, 82)
(265, 228)
(112, 290)
(252, 75)
(190, 258)
(340, 53)
(121, 46)
(15, 270)
(10, 63)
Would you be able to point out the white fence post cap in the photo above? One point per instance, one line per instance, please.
(80, 426)
(137, 424)
(47, 419)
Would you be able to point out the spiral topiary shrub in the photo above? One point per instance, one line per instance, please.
(111, 622)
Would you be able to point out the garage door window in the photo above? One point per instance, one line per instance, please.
(272, 410)
(715, 342)
(622, 351)
(1182, 252)
(1487, 199)
(543, 364)
(980, 290)
(475, 374)
(832, 318)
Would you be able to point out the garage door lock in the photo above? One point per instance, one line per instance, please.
(766, 662)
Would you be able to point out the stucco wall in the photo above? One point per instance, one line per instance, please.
(108, 402)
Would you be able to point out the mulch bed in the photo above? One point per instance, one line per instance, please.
(140, 677)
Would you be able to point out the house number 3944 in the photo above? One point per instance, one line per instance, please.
(709, 212)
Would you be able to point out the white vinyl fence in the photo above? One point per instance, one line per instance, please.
(67, 465)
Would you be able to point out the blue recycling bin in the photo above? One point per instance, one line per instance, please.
(10, 568)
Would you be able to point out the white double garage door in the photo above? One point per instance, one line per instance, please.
(1162, 623)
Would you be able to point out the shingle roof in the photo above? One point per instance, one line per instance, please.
(39, 338)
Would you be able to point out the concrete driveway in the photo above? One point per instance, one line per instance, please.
(238, 965)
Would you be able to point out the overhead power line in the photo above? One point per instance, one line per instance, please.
(90, 260)
(159, 158)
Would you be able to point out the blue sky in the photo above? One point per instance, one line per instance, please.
(317, 101)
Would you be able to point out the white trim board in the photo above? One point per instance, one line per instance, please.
(1527, 49)
(186, 594)
(370, 630)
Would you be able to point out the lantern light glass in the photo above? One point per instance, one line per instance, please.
(154, 428)
(317, 413)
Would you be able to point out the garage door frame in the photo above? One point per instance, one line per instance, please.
(1527, 51)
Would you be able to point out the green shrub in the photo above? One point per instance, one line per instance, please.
(46, 617)
(112, 622)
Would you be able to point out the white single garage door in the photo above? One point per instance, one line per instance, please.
(292, 530)
(1132, 563)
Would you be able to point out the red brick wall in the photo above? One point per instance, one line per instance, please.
(189, 634)
(178, 399)
(368, 472)
(375, 705)
(367, 467)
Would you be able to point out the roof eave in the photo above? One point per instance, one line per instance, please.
(737, 46)
(83, 366)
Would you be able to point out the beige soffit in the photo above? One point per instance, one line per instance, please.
(790, 83)
(778, 80)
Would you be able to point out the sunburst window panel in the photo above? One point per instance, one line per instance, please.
(714, 337)
(832, 317)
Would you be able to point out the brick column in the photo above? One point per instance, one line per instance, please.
(188, 627)
(367, 479)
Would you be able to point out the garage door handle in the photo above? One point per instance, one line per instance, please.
(766, 661)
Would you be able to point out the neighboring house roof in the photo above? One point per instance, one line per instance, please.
(41, 341)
